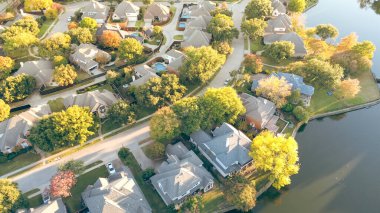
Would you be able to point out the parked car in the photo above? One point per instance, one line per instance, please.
(227, 81)
(110, 168)
(69, 19)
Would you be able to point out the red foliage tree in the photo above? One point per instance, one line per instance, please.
(61, 184)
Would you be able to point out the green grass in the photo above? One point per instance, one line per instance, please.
(256, 45)
(35, 201)
(272, 62)
(73, 203)
(245, 43)
(82, 75)
(45, 26)
(214, 200)
(56, 105)
(178, 37)
(139, 23)
(109, 125)
(19, 162)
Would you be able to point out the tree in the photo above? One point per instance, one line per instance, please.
(351, 62)
(319, 49)
(157, 30)
(348, 88)
(147, 174)
(148, 2)
(21, 40)
(347, 43)
(62, 129)
(201, 64)
(258, 9)
(253, 64)
(89, 23)
(189, 113)
(277, 155)
(222, 28)
(72, 25)
(301, 114)
(5, 110)
(158, 92)
(31, 5)
(155, 151)
(275, 89)
(28, 24)
(16, 88)
(59, 60)
(51, 13)
(220, 105)
(130, 49)
(121, 113)
(224, 11)
(325, 31)
(102, 57)
(254, 28)
(110, 39)
(240, 192)
(192, 204)
(364, 49)
(58, 44)
(279, 50)
(64, 75)
(76, 166)
(223, 47)
(164, 125)
(81, 35)
(61, 184)
(11, 197)
(297, 6)
(6, 66)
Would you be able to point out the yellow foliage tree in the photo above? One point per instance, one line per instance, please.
(348, 88)
(275, 89)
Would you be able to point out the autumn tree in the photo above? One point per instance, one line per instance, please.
(348, 88)
(6, 66)
(16, 88)
(58, 44)
(279, 50)
(157, 30)
(351, 62)
(11, 198)
(221, 10)
(240, 192)
(201, 64)
(297, 6)
(61, 184)
(192, 204)
(110, 39)
(72, 25)
(319, 49)
(253, 64)
(121, 113)
(88, 23)
(222, 28)
(275, 89)
(5, 110)
(130, 49)
(254, 28)
(147, 2)
(326, 31)
(220, 105)
(164, 125)
(223, 47)
(189, 113)
(21, 40)
(347, 43)
(64, 75)
(76, 166)
(102, 57)
(31, 5)
(277, 155)
(82, 35)
(155, 151)
(364, 49)
(51, 13)
(63, 129)
(258, 9)
(59, 60)
(301, 114)
(28, 24)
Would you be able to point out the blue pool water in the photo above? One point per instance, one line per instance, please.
(159, 67)
(185, 16)
(182, 25)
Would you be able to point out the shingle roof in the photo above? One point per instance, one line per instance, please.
(124, 8)
(200, 22)
(144, 73)
(157, 10)
(258, 108)
(92, 99)
(279, 6)
(196, 38)
(299, 45)
(85, 54)
(41, 70)
(95, 10)
(297, 83)
(55, 206)
(281, 21)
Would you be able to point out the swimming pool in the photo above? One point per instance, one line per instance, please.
(182, 24)
(159, 67)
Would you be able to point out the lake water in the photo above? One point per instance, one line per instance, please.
(340, 156)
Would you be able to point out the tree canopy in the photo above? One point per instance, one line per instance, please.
(253, 64)
(76, 166)
(81, 35)
(16, 88)
(155, 151)
(348, 88)
(279, 50)
(164, 125)
(297, 6)
(11, 197)
(222, 28)
(64, 74)
(130, 49)
(89, 23)
(110, 39)
(6, 66)
(258, 9)
(240, 192)
(5, 110)
(28, 24)
(31, 5)
(275, 89)
(192, 204)
(121, 113)
(58, 44)
(254, 28)
(325, 31)
(61, 184)
(189, 113)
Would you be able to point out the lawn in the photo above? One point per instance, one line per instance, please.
(109, 125)
(139, 23)
(256, 45)
(19, 162)
(44, 27)
(178, 37)
(82, 75)
(214, 200)
(56, 105)
(321, 102)
(73, 203)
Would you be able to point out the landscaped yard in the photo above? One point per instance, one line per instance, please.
(82, 75)
(214, 200)
(178, 37)
(44, 27)
(19, 162)
(256, 45)
(56, 105)
(139, 23)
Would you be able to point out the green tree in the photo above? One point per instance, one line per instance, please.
(254, 28)
(253, 64)
(164, 125)
(222, 28)
(297, 6)
(158, 92)
(89, 23)
(351, 62)
(192, 204)
(258, 9)
(51, 13)
(201, 64)
(58, 44)
(189, 113)
(16, 88)
(21, 40)
(220, 105)
(277, 155)
(63, 129)
(28, 24)
(155, 151)
(59, 60)
(240, 192)
(364, 49)
(148, 2)
(64, 75)
(121, 113)
(157, 30)
(31, 5)
(301, 114)
(224, 11)
(325, 31)
(11, 197)
(130, 49)
(5, 110)
(81, 35)
(76, 166)
(6, 66)
(279, 50)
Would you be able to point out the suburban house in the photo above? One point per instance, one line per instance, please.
(13, 131)
(174, 60)
(156, 12)
(260, 112)
(299, 45)
(226, 148)
(116, 28)
(96, 10)
(202, 9)
(195, 38)
(285, 2)
(296, 82)
(97, 101)
(181, 175)
(85, 58)
(278, 8)
(126, 11)
(279, 24)
(56, 206)
(199, 23)
(41, 70)
(142, 74)
(117, 193)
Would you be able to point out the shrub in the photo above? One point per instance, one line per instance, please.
(147, 174)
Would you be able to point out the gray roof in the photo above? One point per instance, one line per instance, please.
(157, 10)
(227, 150)
(260, 110)
(143, 73)
(200, 22)
(196, 38)
(282, 21)
(204, 8)
(109, 27)
(41, 70)
(279, 6)
(117, 194)
(181, 175)
(93, 99)
(85, 54)
(55, 206)
(95, 10)
(299, 45)
(124, 8)
(175, 58)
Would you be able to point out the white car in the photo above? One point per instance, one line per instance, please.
(69, 19)
(110, 168)
(226, 81)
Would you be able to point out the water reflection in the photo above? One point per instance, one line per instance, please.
(374, 5)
